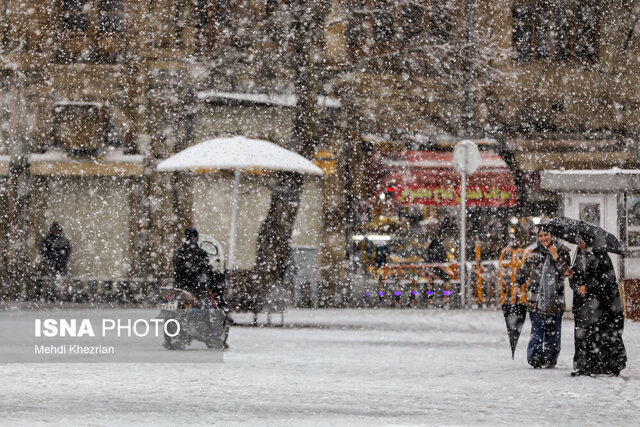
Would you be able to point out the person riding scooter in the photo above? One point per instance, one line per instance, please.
(193, 272)
(198, 304)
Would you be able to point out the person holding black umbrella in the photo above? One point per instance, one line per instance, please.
(597, 309)
(543, 271)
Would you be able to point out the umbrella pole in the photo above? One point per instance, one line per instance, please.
(234, 219)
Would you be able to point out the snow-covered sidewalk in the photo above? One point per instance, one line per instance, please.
(365, 367)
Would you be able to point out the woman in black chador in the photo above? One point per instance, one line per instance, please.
(597, 308)
(55, 251)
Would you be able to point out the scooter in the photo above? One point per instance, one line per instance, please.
(192, 320)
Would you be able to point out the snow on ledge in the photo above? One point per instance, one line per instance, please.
(594, 180)
(65, 103)
(612, 171)
(112, 156)
(283, 100)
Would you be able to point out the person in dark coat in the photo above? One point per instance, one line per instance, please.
(436, 252)
(55, 251)
(597, 309)
(191, 267)
(579, 307)
(543, 272)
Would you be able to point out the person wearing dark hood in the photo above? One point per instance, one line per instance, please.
(55, 250)
(543, 272)
(191, 267)
(597, 310)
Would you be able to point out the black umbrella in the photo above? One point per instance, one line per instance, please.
(514, 316)
(568, 228)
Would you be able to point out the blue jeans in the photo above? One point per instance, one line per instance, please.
(544, 344)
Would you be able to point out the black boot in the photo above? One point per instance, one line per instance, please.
(580, 373)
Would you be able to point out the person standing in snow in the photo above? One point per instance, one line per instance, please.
(55, 251)
(597, 309)
(579, 308)
(436, 252)
(543, 271)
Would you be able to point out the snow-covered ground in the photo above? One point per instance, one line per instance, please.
(365, 367)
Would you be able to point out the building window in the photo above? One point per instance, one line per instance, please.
(378, 24)
(633, 220)
(586, 19)
(104, 16)
(357, 31)
(384, 26)
(110, 18)
(201, 13)
(80, 127)
(76, 15)
(563, 34)
(559, 33)
(439, 20)
(543, 34)
(412, 18)
(270, 6)
(91, 30)
(590, 213)
(211, 18)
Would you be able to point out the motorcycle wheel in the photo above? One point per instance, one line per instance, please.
(212, 345)
(177, 342)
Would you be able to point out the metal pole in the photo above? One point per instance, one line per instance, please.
(234, 219)
(468, 120)
(463, 240)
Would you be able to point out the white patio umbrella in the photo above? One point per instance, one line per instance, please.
(237, 153)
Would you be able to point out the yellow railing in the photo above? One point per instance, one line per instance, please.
(514, 263)
(511, 260)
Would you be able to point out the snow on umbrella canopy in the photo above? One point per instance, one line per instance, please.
(238, 152)
(568, 229)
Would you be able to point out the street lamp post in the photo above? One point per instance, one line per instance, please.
(466, 159)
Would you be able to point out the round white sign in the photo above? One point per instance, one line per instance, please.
(466, 157)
